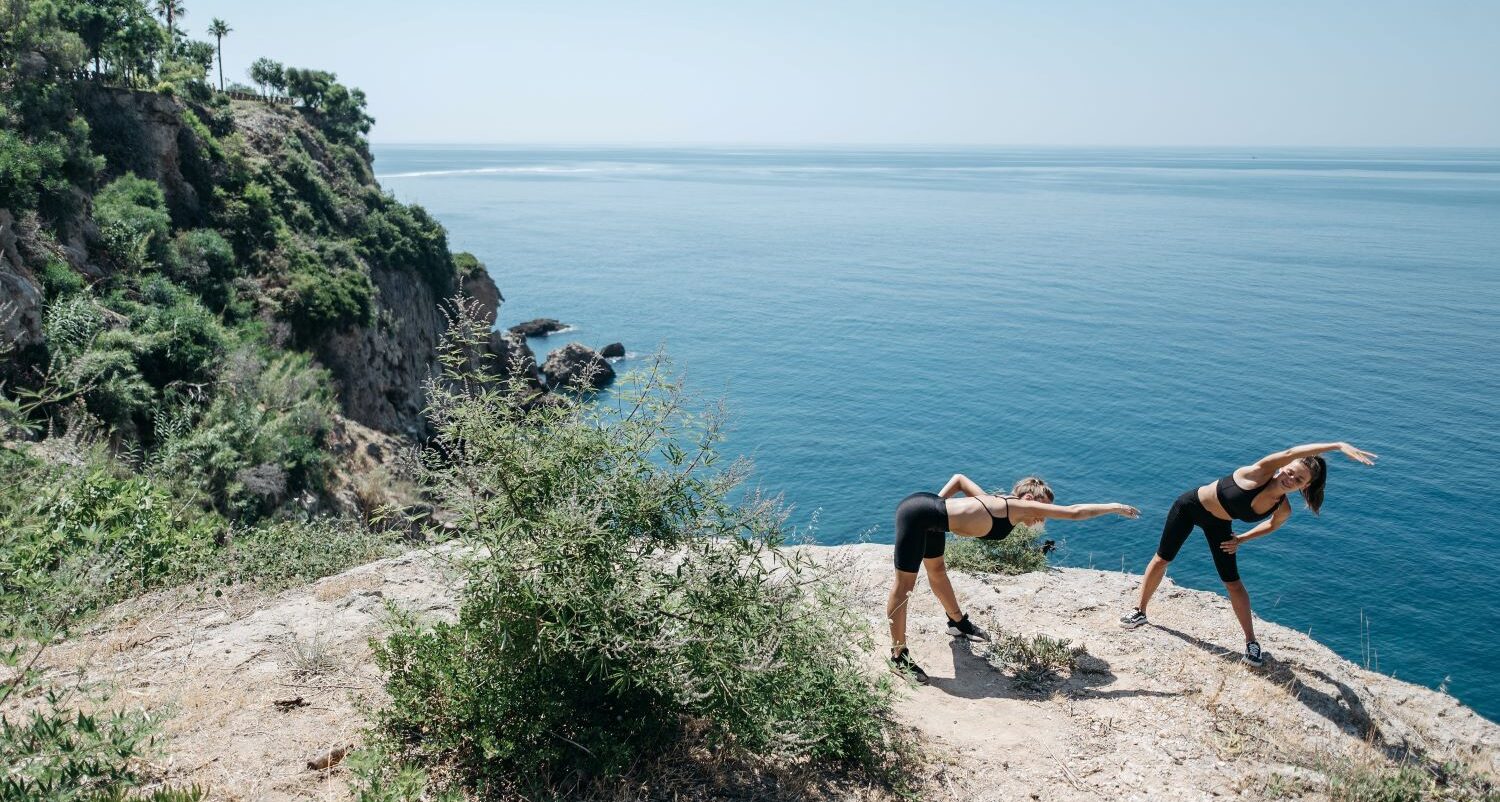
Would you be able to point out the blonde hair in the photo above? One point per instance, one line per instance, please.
(1036, 486)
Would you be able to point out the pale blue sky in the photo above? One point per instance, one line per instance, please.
(936, 72)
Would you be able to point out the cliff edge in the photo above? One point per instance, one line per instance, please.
(253, 687)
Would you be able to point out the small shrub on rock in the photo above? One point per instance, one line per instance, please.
(616, 601)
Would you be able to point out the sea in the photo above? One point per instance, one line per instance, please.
(1127, 323)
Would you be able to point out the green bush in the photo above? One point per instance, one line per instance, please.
(249, 217)
(328, 291)
(204, 262)
(133, 221)
(1016, 554)
(59, 279)
(73, 539)
(405, 237)
(615, 598)
(260, 441)
(55, 752)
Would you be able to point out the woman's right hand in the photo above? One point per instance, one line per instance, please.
(1358, 455)
(1127, 511)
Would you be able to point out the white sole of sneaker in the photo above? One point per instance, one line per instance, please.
(975, 638)
(1133, 624)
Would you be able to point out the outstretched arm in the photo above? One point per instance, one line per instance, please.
(960, 483)
(1272, 463)
(1261, 529)
(1069, 512)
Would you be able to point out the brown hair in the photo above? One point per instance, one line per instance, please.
(1036, 486)
(1313, 493)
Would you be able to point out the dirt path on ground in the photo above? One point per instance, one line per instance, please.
(1165, 712)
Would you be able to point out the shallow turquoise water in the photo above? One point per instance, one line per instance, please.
(1127, 323)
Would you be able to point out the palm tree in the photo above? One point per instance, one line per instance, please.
(171, 10)
(219, 29)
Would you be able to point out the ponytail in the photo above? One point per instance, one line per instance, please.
(1313, 493)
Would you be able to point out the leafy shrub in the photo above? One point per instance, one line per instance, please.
(1017, 553)
(1031, 662)
(29, 170)
(259, 441)
(615, 595)
(249, 217)
(204, 262)
(328, 291)
(57, 752)
(59, 279)
(133, 220)
(178, 340)
(73, 539)
(407, 238)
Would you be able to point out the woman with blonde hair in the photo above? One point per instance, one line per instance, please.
(923, 521)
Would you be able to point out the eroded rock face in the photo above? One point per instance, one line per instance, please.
(539, 327)
(20, 293)
(511, 357)
(576, 366)
(482, 289)
(143, 133)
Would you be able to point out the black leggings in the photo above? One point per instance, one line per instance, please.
(921, 530)
(1188, 511)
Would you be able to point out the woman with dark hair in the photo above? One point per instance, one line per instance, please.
(1251, 494)
(923, 521)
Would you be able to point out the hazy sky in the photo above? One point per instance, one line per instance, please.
(937, 72)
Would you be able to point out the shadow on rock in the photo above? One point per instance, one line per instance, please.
(974, 677)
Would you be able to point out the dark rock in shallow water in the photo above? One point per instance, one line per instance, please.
(577, 366)
(540, 327)
(613, 350)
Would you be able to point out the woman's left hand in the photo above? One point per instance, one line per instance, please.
(1232, 545)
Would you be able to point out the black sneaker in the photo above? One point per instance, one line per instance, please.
(964, 628)
(1137, 618)
(903, 664)
(1253, 654)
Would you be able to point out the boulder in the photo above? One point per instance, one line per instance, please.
(578, 367)
(613, 351)
(539, 327)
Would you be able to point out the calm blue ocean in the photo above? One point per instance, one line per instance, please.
(1127, 323)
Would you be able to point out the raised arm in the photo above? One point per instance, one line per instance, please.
(1272, 463)
(960, 484)
(1026, 509)
(1266, 527)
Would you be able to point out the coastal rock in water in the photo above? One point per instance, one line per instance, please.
(577, 366)
(613, 351)
(539, 327)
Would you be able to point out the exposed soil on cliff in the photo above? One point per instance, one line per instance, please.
(254, 687)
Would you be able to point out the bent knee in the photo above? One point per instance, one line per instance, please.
(935, 565)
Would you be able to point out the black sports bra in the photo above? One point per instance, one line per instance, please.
(999, 527)
(1239, 502)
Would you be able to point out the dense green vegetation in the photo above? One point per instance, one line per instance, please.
(170, 425)
(616, 602)
(1016, 554)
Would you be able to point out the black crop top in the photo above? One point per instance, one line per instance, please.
(1239, 502)
(999, 526)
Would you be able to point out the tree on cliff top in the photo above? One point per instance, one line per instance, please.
(219, 29)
